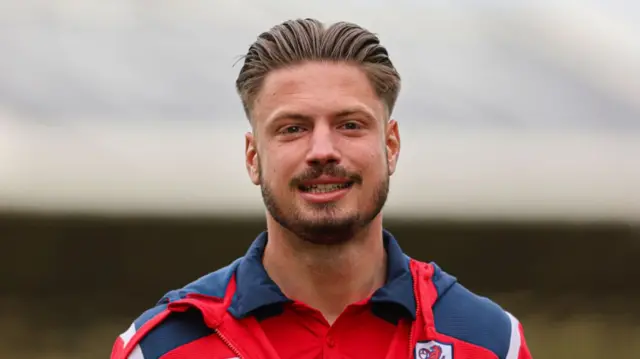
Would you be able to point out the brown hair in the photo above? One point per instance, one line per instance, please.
(297, 41)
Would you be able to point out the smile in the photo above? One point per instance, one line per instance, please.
(325, 188)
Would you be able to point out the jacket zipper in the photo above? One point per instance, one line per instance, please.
(418, 314)
(411, 335)
(411, 348)
(228, 343)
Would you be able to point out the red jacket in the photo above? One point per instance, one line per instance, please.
(202, 320)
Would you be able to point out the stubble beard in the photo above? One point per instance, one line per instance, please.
(330, 228)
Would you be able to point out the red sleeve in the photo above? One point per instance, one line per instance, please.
(518, 348)
(118, 349)
(524, 352)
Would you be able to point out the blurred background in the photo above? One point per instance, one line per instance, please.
(122, 175)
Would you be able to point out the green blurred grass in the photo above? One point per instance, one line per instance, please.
(589, 337)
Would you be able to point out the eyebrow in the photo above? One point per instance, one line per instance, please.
(355, 111)
(339, 114)
(347, 113)
(292, 116)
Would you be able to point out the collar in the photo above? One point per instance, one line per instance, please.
(255, 289)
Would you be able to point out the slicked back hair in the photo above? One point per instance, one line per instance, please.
(297, 41)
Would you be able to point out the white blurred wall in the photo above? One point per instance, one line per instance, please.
(509, 110)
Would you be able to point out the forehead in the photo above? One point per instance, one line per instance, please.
(317, 89)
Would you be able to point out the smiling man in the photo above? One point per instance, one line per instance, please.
(325, 280)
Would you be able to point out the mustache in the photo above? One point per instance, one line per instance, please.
(332, 170)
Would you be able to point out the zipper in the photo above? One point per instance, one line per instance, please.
(418, 313)
(412, 333)
(411, 346)
(228, 343)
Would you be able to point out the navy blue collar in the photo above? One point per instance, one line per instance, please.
(255, 290)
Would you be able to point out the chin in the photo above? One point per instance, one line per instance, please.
(327, 215)
(327, 236)
(328, 229)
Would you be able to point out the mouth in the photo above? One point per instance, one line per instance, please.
(324, 191)
(324, 187)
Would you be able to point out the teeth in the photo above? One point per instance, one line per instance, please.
(322, 188)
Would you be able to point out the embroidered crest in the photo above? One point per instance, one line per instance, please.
(434, 350)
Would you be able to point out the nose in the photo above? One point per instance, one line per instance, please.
(322, 147)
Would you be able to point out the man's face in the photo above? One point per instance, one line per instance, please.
(322, 150)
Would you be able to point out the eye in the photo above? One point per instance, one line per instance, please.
(290, 130)
(351, 125)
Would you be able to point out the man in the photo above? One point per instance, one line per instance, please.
(325, 280)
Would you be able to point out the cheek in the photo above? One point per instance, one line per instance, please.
(375, 158)
(278, 169)
(372, 165)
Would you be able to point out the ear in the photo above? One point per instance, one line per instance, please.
(251, 158)
(392, 145)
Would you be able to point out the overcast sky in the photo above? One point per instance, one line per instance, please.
(505, 64)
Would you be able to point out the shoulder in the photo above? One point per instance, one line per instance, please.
(466, 316)
(177, 330)
(213, 284)
(158, 331)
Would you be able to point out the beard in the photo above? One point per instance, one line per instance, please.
(327, 226)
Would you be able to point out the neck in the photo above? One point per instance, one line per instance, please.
(326, 277)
